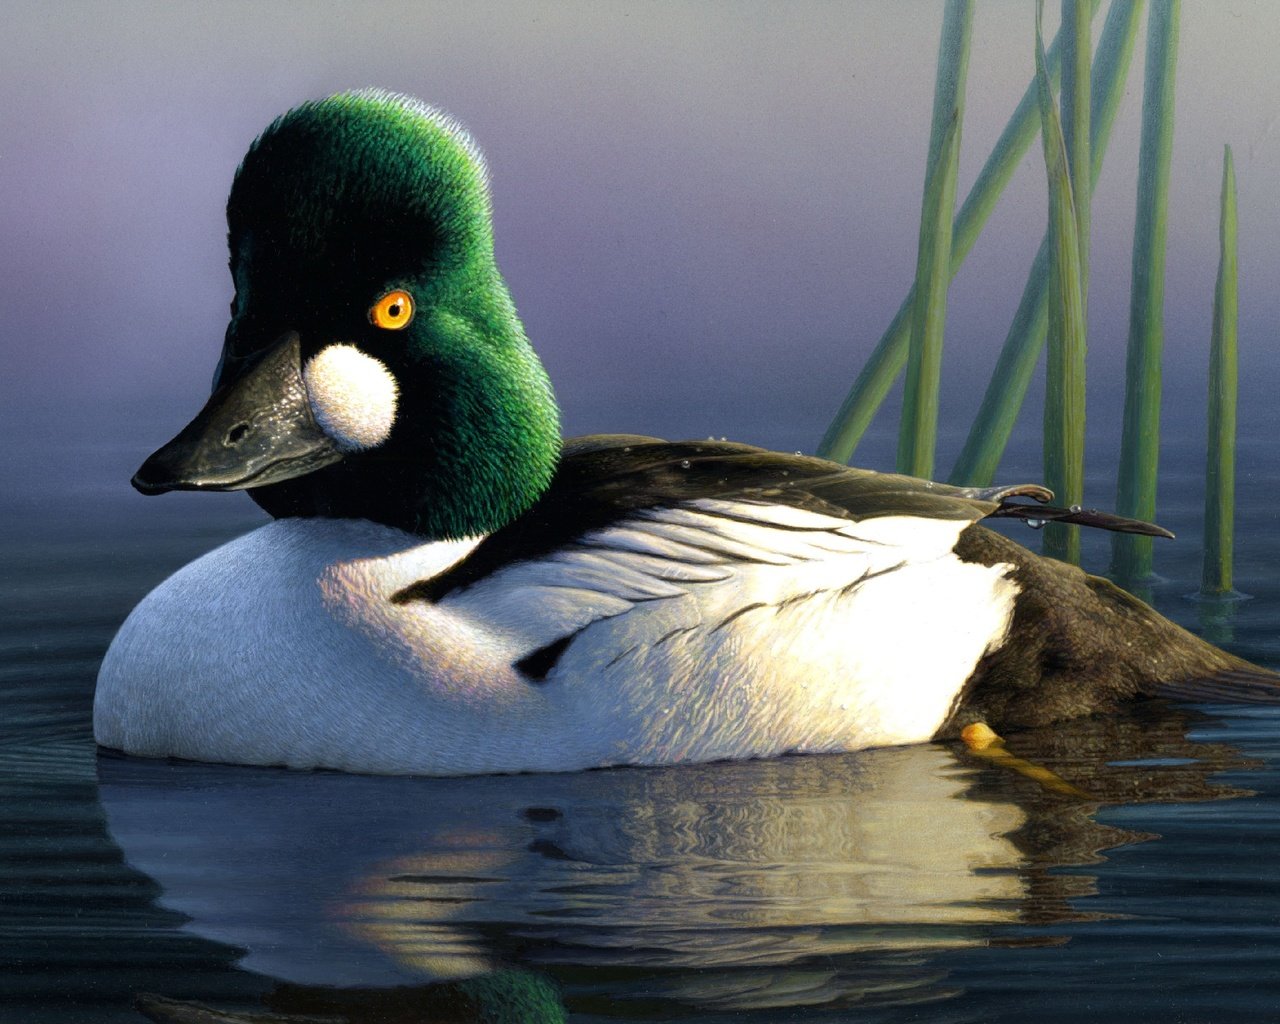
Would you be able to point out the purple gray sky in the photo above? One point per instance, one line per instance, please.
(706, 211)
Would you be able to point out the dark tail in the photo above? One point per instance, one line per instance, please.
(1079, 644)
(1251, 685)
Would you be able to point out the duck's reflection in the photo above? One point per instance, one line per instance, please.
(799, 881)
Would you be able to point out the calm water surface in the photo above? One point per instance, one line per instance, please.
(915, 884)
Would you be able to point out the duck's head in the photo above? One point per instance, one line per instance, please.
(374, 365)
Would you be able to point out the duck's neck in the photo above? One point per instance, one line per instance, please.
(489, 444)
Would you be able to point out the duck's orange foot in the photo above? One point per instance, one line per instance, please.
(982, 741)
(979, 736)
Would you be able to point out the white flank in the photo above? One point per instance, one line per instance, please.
(713, 630)
(353, 396)
(734, 629)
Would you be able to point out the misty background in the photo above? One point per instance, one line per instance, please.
(707, 212)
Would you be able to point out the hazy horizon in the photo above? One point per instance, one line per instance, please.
(706, 212)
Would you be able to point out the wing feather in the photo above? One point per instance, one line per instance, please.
(708, 528)
(705, 566)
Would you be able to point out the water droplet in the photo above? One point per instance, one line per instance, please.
(799, 452)
(928, 485)
(684, 463)
(627, 448)
(786, 472)
(1035, 524)
(1076, 508)
(724, 439)
(711, 437)
(666, 711)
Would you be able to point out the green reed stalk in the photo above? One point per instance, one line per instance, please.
(1064, 376)
(1220, 474)
(993, 426)
(918, 430)
(1131, 555)
(890, 354)
(919, 427)
(1077, 45)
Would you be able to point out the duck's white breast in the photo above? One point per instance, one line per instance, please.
(715, 630)
(281, 647)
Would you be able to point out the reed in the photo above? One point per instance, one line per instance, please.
(918, 430)
(992, 427)
(1131, 556)
(1220, 474)
(890, 354)
(1077, 44)
(1065, 373)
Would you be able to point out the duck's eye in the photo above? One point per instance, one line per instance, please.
(393, 311)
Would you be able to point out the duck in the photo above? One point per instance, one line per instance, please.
(449, 587)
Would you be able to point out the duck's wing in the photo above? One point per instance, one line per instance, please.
(630, 520)
(606, 479)
(698, 533)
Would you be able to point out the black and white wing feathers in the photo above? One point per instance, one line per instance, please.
(709, 531)
(604, 480)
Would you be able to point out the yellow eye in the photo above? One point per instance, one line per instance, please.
(393, 311)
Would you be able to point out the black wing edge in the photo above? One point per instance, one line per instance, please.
(1078, 516)
(1235, 686)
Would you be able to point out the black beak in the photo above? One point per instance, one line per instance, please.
(254, 431)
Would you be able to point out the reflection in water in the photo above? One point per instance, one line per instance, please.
(79, 927)
(814, 881)
(1217, 616)
(736, 864)
(502, 997)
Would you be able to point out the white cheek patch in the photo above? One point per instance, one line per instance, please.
(353, 396)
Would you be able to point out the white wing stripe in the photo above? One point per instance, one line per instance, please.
(647, 542)
(788, 517)
(713, 546)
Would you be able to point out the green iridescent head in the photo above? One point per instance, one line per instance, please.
(374, 365)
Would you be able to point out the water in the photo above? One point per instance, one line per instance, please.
(915, 884)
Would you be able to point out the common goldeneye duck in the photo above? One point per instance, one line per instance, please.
(450, 589)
